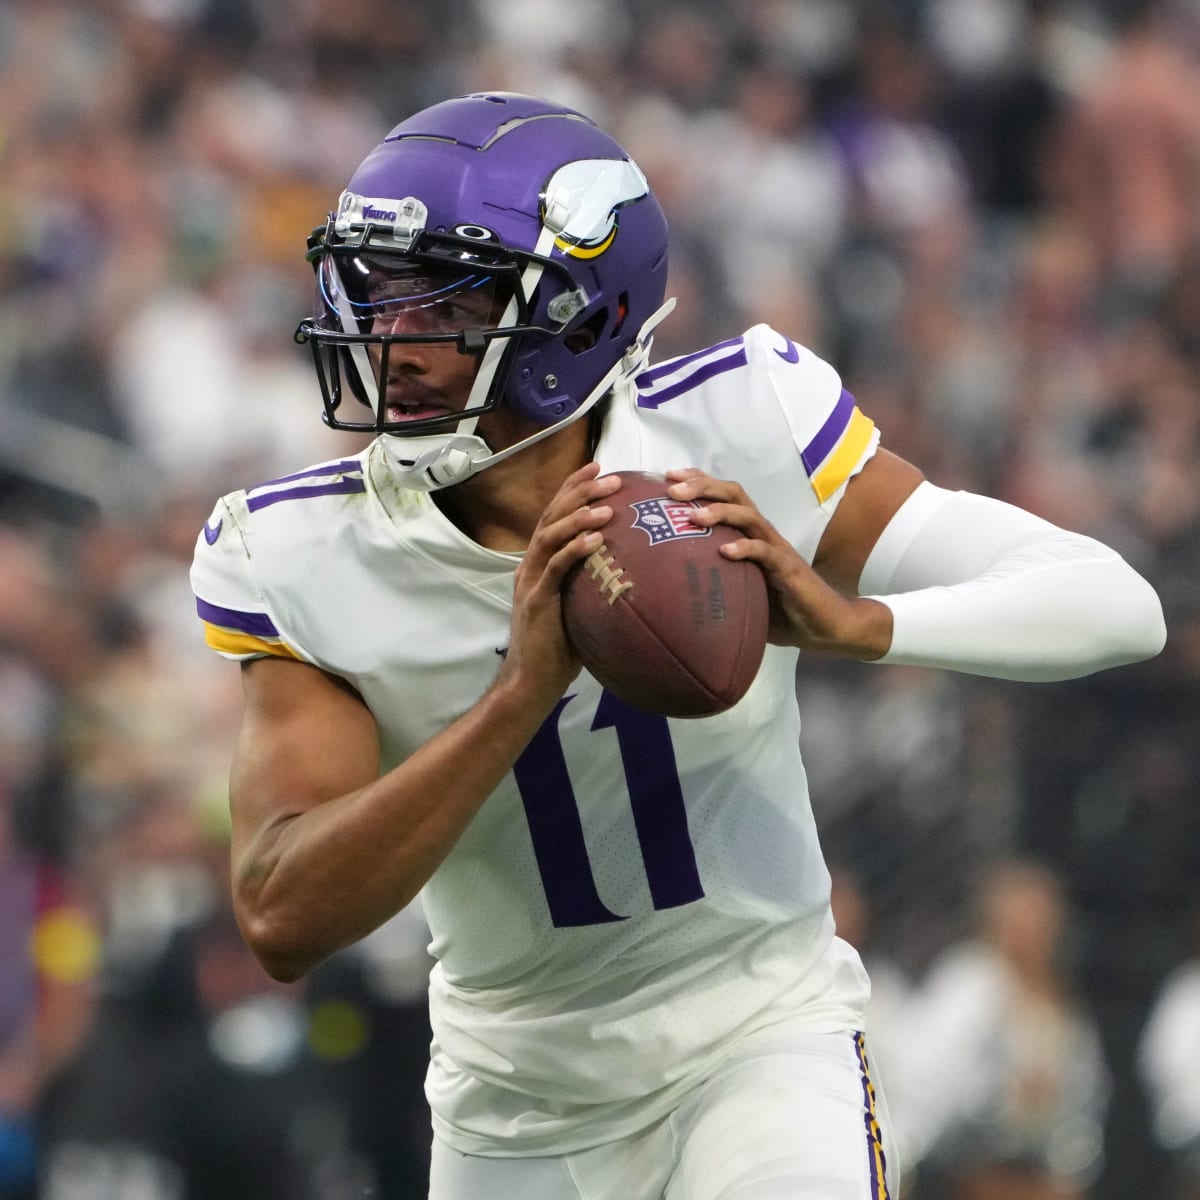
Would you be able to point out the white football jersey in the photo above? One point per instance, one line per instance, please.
(639, 889)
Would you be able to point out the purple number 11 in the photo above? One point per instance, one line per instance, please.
(659, 815)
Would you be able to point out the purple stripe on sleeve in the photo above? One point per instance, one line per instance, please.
(647, 378)
(339, 487)
(815, 453)
(696, 378)
(258, 624)
(346, 464)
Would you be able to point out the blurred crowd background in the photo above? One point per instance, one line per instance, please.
(986, 213)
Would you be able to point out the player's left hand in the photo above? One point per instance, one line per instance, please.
(805, 610)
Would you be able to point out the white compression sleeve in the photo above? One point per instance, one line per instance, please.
(980, 586)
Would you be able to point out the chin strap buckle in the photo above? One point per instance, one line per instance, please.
(436, 460)
(637, 355)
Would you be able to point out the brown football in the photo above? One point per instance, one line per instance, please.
(658, 615)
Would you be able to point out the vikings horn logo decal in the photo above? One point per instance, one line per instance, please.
(581, 201)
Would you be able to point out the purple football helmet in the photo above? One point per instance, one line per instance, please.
(507, 225)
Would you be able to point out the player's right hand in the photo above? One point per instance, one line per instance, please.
(539, 656)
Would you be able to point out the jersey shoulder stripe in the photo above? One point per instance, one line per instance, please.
(313, 472)
(341, 478)
(837, 448)
(654, 374)
(673, 378)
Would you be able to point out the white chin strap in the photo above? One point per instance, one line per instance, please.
(438, 460)
(435, 460)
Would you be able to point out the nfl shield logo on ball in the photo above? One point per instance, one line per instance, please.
(663, 520)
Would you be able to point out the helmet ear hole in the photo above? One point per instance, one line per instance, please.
(588, 334)
(622, 313)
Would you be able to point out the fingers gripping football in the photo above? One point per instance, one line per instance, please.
(538, 649)
(563, 535)
(805, 611)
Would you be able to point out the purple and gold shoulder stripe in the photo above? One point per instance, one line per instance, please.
(838, 447)
(237, 634)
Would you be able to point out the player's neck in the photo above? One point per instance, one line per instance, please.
(500, 507)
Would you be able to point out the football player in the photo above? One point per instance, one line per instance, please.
(638, 990)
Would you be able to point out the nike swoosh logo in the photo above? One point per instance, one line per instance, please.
(791, 354)
(212, 532)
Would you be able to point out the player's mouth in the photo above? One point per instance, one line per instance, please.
(414, 404)
(405, 412)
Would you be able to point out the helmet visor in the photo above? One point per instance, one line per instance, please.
(389, 296)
